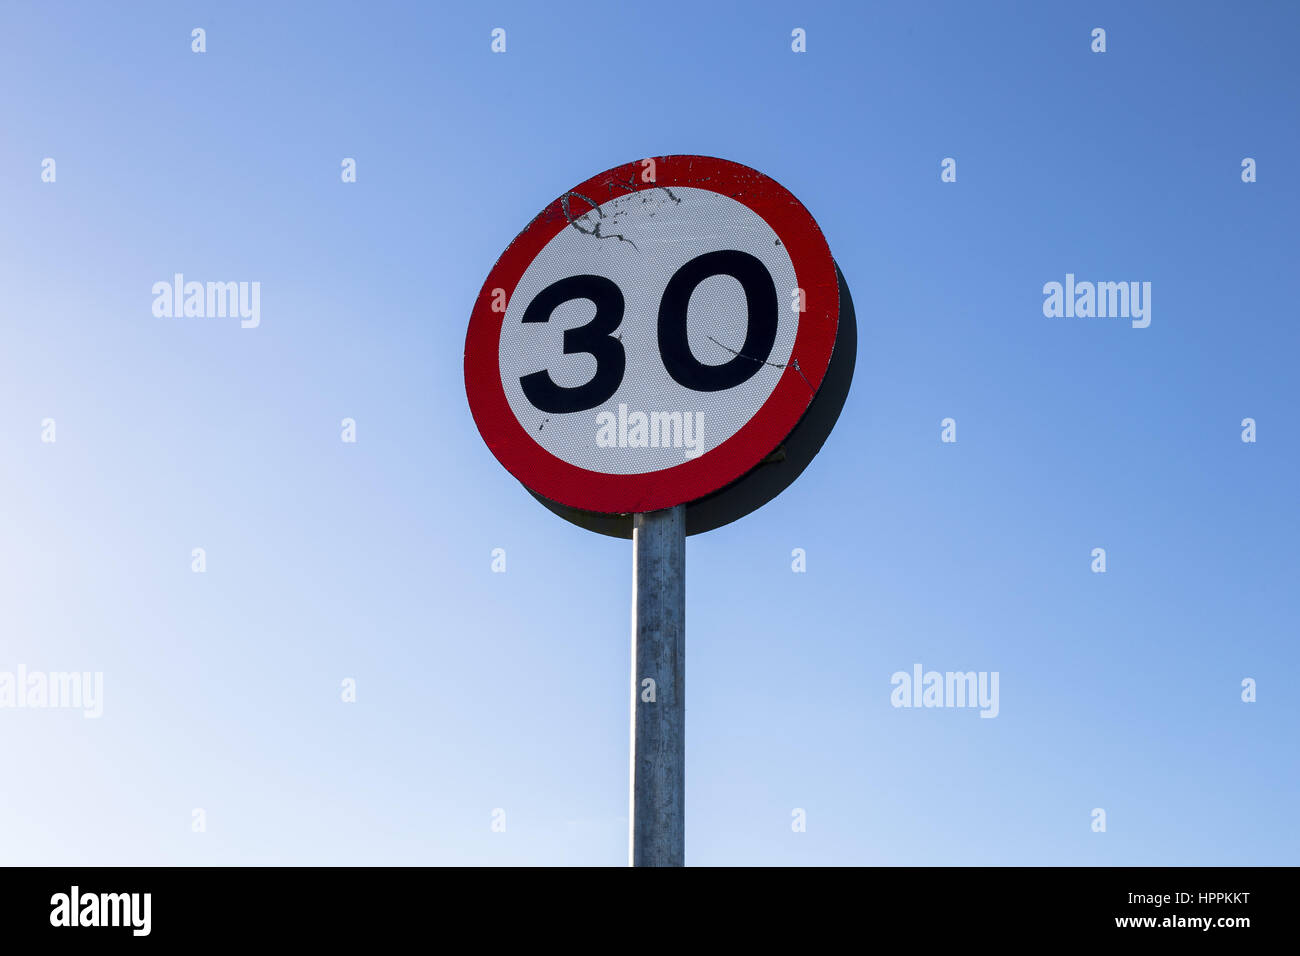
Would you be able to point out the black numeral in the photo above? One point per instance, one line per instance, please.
(760, 335)
(595, 338)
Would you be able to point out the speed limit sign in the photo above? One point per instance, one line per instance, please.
(673, 331)
(663, 349)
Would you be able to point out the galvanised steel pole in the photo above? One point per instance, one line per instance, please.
(657, 821)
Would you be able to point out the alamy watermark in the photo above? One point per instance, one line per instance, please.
(1103, 300)
(683, 430)
(53, 690)
(947, 689)
(211, 300)
(129, 910)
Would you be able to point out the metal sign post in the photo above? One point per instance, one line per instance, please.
(657, 813)
(661, 351)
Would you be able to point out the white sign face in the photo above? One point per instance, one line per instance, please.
(646, 342)
(651, 234)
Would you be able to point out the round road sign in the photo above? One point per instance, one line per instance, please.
(657, 335)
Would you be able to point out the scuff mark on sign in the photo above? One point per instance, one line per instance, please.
(631, 186)
(670, 194)
(794, 364)
(576, 223)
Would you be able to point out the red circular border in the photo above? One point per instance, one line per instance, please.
(560, 481)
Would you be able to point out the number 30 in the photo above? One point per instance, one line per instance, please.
(596, 338)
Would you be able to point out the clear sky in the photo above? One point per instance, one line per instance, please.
(371, 560)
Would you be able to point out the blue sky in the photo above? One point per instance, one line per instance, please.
(372, 560)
